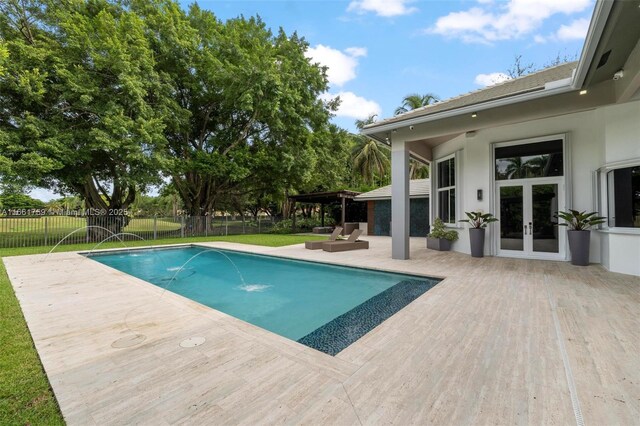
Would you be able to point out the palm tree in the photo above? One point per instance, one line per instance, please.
(370, 160)
(416, 100)
(516, 169)
(418, 170)
(369, 120)
(539, 165)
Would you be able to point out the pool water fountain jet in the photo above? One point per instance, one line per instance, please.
(135, 338)
(84, 228)
(190, 342)
(198, 254)
(118, 235)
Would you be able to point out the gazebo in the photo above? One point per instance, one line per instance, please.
(323, 198)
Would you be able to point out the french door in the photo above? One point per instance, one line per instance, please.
(526, 209)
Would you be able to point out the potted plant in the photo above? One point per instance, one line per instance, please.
(440, 238)
(478, 222)
(579, 224)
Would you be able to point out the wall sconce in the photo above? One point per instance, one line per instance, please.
(479, 194)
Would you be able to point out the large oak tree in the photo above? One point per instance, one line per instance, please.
(81, 109)
(246, 103)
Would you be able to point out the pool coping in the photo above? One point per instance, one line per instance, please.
(316, 338)
(446, 357)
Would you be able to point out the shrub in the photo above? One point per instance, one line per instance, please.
(302, 225)
(438, 230)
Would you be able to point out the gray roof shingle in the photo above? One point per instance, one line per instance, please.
(418, 188)
(528, 83)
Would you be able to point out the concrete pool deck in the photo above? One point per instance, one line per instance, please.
(498, 341)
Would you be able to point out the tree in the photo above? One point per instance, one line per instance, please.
(11, 201)
(246, 103)
(418, 170)
(81, 105)
(415, 101)
(370, 160)
(516, 168)
(518, 69)
(360, 124)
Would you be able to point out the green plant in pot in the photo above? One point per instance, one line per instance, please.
(440, 238)
(579, 233)
(478, 222)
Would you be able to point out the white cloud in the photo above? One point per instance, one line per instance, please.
(539, 39)
(353, 106)
(384, 8)
(356, 51)
(490, 79)
(503, 21)
(341, 65)
(577, 30)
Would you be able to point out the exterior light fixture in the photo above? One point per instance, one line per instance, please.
(583, 92)
(474, 115)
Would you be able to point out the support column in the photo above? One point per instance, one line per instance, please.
(322, 214)
(399, 200)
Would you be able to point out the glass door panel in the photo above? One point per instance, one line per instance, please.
(543, 226)
(511, 218)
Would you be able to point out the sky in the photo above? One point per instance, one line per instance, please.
(379, 51)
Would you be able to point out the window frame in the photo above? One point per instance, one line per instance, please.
(603, 195)
(453, 209)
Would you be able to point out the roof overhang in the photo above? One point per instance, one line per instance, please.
(324, 197)
(412, 197)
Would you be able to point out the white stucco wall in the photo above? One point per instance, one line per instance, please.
(621, 249)
(594, 138)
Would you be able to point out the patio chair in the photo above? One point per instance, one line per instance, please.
(317, 245)
(351, 243)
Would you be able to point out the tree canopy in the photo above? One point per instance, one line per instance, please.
(245, 104)
(80, 100)
(416, 100)
(106, 97)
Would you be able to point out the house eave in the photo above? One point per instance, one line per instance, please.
(374, 132)
(596, 28)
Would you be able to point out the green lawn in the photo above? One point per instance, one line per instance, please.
(25, 394)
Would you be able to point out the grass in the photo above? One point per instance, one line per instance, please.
(25, 393)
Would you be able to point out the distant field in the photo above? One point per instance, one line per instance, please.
(49, 230)
(66, 223)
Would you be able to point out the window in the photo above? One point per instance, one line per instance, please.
(446, 175)
(531, 160)
(624, 197)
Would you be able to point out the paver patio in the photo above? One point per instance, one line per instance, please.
(483, 346)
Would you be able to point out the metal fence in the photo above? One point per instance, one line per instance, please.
(30, 231)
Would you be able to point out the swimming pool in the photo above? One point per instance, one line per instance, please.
(322, 306)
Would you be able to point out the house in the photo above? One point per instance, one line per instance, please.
(379, 208)
(564, 137)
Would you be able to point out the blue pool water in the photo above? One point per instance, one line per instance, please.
(304, 301)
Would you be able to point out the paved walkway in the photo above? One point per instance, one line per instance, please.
(500, 341)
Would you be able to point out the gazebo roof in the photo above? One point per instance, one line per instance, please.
(324, 197)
